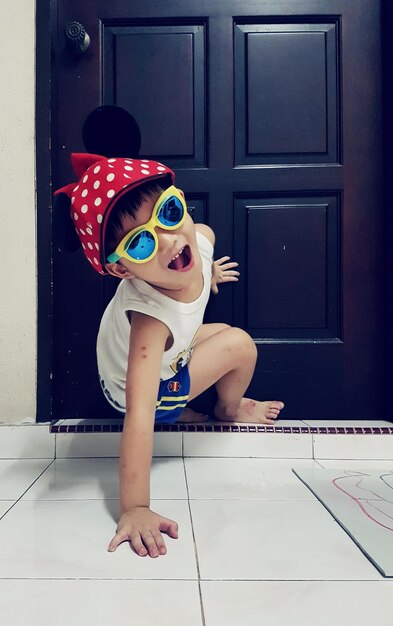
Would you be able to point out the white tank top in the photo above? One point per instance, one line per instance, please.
(182, 318)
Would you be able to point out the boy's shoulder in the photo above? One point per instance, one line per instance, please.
(206, 231)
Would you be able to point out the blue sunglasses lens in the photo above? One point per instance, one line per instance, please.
(141, 246)
(171, 212)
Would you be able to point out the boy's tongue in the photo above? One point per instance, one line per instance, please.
(177, 264)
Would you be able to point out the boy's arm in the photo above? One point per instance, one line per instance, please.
(137, 523)
(147, 343)
(222, 272)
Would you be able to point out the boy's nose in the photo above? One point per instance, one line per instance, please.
(170, 242)
(167, 235)
(166, 238)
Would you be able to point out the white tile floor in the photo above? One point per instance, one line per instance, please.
(254, 547)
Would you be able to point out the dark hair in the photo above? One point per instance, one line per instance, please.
(128, 205)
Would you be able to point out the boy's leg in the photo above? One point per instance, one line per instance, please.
(226, 356)
(206, 330)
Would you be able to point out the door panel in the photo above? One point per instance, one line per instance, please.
(164, 62)
(301, 289)
(293, 119)
(270, 113)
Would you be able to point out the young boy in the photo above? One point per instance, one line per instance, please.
(154, 353)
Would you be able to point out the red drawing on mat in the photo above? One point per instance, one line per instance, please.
(376, 507)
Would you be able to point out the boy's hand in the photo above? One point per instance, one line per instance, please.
(142, 528)
(222, 272)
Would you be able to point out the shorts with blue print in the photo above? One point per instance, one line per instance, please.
(172, 397)
(171, 400)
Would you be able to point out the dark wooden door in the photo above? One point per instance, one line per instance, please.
(270, 113)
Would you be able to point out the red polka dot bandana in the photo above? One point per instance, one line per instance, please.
(101, 183)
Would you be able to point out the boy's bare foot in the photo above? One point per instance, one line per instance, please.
(251, 411)
(188, 416)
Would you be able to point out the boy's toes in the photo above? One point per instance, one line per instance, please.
(276, 406)
(274, 409)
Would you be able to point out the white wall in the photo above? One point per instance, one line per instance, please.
(18, 291)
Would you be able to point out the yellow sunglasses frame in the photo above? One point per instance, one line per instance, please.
(150, 226)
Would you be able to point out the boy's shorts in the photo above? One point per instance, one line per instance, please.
(172, 397)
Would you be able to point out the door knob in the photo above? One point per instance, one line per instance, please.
(76, 38)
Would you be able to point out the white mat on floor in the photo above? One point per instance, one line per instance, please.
(362, 503)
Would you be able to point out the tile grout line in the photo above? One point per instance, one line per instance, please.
(195, 547)
(213, 580)
(300, 580)
(29, 487)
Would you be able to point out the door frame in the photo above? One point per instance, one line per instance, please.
(45, 123)
(45, 105)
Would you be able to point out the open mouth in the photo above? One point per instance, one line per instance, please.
(182, 261)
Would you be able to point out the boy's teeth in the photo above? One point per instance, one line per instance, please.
(178, 254)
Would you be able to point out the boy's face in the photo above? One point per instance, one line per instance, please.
(162, 271)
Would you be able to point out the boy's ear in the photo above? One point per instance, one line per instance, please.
(118, 270)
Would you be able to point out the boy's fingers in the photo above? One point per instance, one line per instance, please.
(223, 258)
(160, 543)
(150, 544)
(170, 527)
(228, 279)
(112, 546)
(229, 266)
(116, 541)
(137, 544)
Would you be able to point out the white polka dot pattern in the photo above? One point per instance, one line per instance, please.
(102, 182)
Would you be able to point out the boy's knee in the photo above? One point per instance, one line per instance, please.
(241, 341)
(221, 326)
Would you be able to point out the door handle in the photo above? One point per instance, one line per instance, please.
(77, 40)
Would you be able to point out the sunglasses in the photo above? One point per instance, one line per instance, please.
(141, 243)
